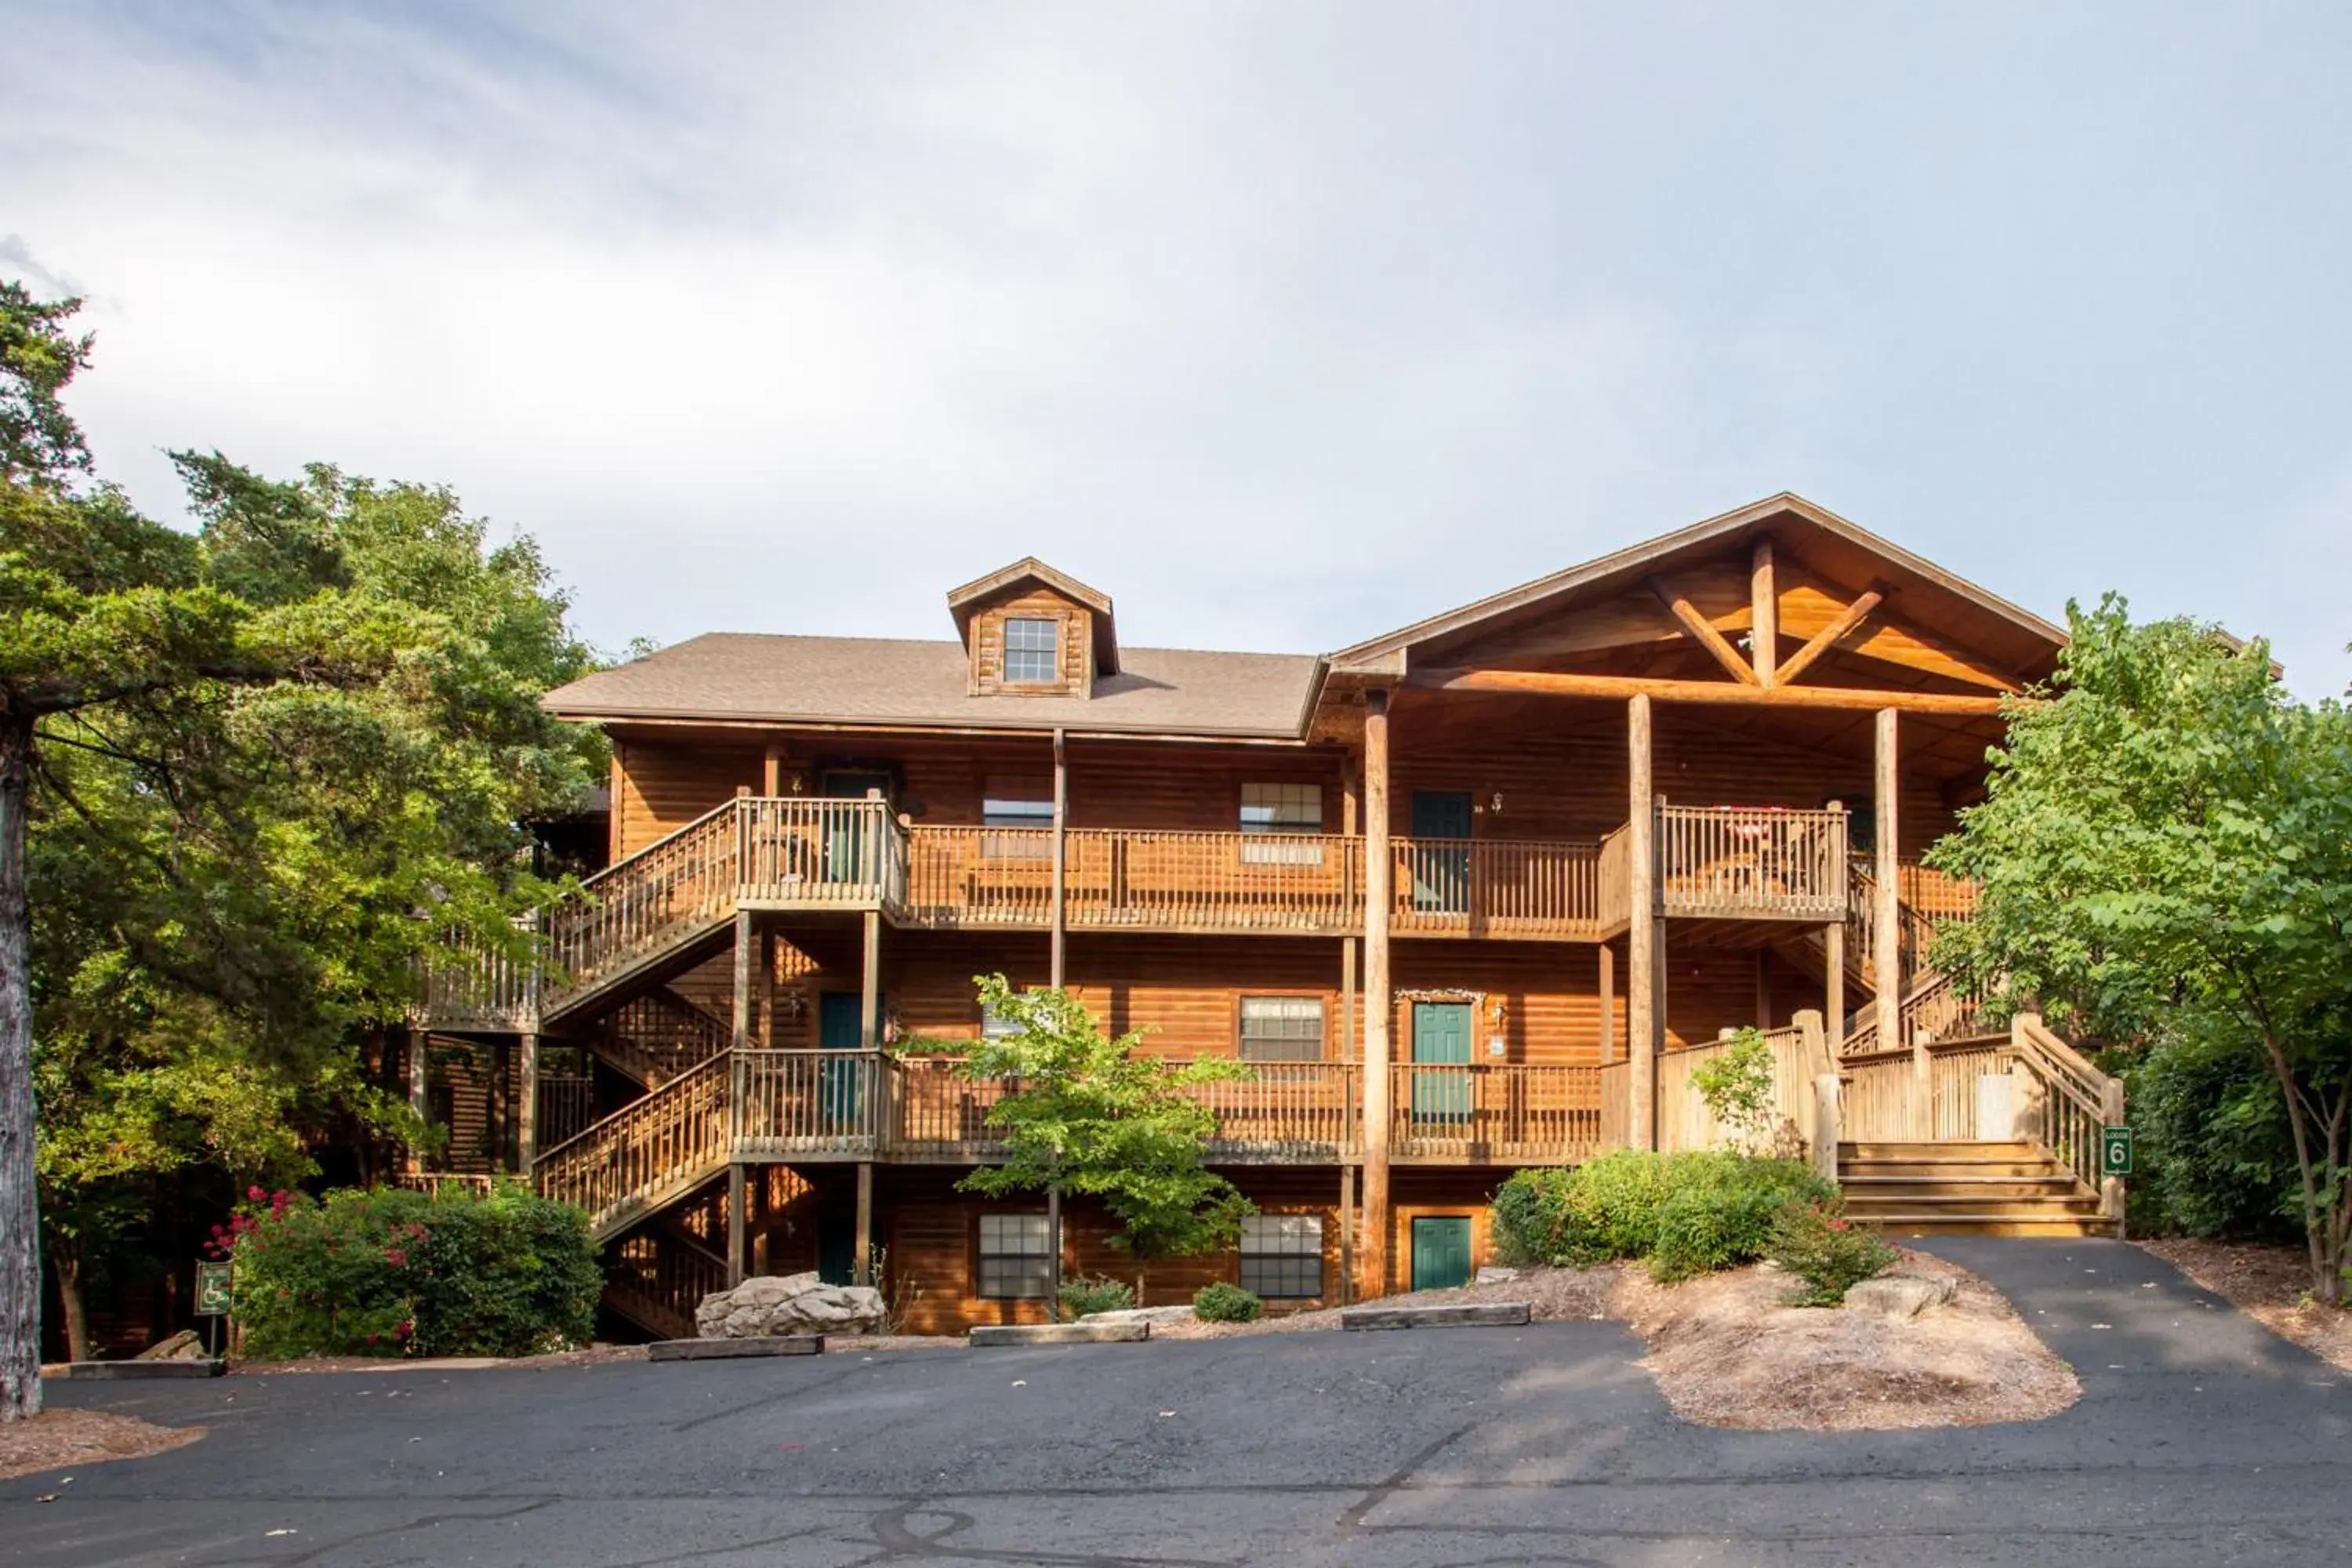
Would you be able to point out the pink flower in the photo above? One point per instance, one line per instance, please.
(256, 1194)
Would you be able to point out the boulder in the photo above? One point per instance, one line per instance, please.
(788, 1304)
(185, 1345)
(1900, 1295)
(1494, 1274)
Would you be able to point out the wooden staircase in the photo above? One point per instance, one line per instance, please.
(1974, 1188)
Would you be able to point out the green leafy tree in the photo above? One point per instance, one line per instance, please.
(256, 774)
(1736, 1085)
(1094, 1117)
(2166, 854)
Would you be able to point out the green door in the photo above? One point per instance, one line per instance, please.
(1441, 871)
(840, 1026)
(1440, 1251)
(851, 855)
(1441, 1035)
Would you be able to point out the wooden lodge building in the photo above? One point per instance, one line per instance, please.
(1470, 896)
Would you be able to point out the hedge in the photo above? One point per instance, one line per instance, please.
(384, 1272)
(1686, 1214)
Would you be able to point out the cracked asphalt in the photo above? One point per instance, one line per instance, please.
(2200, 1439)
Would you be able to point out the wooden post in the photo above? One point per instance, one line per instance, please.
(1763, 993)
(1347, 997)
(1061, 915)
(767, 988)
(526, 1103)
(1641, 967)
(420, 1101)
(1378, 1001)
(1347, 1281)
(760, 1196)
(1608, 1004)
(1833, 942)
(1764, 607)
(771, 770)
(1829, 1125)
(1886, 930)
(736, 1229)
(870, 995)
(616, 787)
(862, 1271)
(1053, 1249)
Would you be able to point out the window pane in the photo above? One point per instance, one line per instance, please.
(1014, 1259)
(1282, 1028)
(1033, 650)
(1282, 808)
(1282, 1255)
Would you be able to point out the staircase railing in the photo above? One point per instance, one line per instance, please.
(655, 1037)
(1938, 1008)
(657, 1277)
(671, 1138)
(2069, 1102)
(676, 884)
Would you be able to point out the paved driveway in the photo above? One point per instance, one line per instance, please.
(2200, 1440)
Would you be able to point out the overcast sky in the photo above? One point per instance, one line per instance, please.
(1286, 324)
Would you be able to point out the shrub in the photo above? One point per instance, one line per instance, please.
(1827, 1251)
(1687, 1214)
(385, 1271)
(1082, 1295)
(1222, 1303)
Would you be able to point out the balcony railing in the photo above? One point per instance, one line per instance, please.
(1735, 862)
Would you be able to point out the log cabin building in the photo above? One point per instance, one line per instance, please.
(1470, 896)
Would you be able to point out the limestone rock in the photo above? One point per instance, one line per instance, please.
(185, 1345)
(1900, 1295)
(1494, 1274)
(1179, 1314)
(788, 1304)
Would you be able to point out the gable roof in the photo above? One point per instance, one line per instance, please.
(968, 600)
(1830, 545)
(756, 677)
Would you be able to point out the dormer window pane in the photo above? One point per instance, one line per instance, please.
(1033, 651)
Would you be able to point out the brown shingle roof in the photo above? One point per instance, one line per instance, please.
(750, 677)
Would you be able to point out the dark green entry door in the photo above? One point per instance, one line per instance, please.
(1441, 871)
(840, 1021)
(851, 848)
(1440, 1251)
(1441, 1035)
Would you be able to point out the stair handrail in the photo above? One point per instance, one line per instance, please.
(2074, 1102)
(565, 1171)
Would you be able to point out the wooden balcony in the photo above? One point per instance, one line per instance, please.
(1732, 862)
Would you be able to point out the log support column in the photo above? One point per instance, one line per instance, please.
(526, 1104)
(862, 1267)
(1643, 972)
(1885, 925)
(1060, 923)
(1608, 988)
(739, 1040)
(737, 1231)
(1380, 1004)
(420, 1102)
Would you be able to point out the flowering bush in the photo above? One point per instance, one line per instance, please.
(1826, 1250)
(390, 1272)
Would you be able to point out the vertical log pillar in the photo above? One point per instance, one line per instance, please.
(1643, 976)
(1346, 1284)
(1378, 1000)
(526, 1104)
(862, 1268)
(869, 992)
(1885, 925)
(616, 816)
(771, 770)
(1764, 610)
(1061, 912)
(1608, 1004)
(759, 1217)
(740, 1042)
(1833, 940)
(737, 1230)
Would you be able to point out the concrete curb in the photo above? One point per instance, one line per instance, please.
(134, 1371)
(1481, 1315)
(1060, 1335)
(731, 1350)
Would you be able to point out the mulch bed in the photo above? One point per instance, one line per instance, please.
(56, 1439)
(2271, 1283)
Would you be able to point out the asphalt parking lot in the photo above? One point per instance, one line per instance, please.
(2200, 1439)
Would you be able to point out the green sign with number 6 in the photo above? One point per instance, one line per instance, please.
(2115, 1150)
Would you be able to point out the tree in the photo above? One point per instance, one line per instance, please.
(1093, 1117)
(258, 773)
(2166, 855)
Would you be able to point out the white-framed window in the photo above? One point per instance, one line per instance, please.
(1282, 1255)
(1027, 804)
(995, 1024)
(1033, 650)
(1282, 1029)
(1282, 808)
(1017, 1257)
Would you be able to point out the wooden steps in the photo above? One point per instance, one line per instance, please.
(1946, 1188)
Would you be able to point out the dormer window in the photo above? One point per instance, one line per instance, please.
(1033, 651)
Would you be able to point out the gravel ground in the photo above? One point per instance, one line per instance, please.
(57, 1438)
(2269, 1282)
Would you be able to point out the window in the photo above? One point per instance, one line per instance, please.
(1282, 1255)
(1033, 651)
(1017, 804)
(996, 1025)
(1017, 1258)
(1282, 1028)
(1282, 808)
